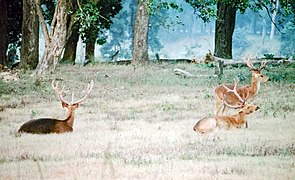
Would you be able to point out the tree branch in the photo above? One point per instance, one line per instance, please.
(268, 13)
(42, 22)
(53, 20)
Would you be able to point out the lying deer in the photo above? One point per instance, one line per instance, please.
(52, 125)
(246, 92)
(208, 124)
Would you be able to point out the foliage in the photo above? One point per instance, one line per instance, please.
(207, 9)
(204, 9)
(288, 40)
(94, 18)
(48, 8)
(15, 17)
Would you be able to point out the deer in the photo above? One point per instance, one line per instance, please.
(208, 124)
(247, 92)
(53, 125)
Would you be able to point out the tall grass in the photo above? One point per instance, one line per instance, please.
(138, 125)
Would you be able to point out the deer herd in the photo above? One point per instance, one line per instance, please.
(226, 97)
(231, 97)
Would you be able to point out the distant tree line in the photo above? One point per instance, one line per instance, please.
(63, 22)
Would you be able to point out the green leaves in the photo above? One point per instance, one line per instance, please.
(87, 16)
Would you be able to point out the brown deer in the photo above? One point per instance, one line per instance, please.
(208, 124)
(246, 92)
(52, 125)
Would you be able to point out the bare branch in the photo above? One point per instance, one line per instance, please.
(42, 22)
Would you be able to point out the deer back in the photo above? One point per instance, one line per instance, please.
(45, 126)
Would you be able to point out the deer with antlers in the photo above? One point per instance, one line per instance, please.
(246, 92)
(52, 125)
(208, 124)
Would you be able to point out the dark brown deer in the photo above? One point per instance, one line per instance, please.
(52, 125)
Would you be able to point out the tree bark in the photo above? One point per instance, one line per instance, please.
(224, 29)
(55, 39)
(273, 20)
(3, 32)
(140, 39)
(30, 36)
(69, 55)
(90, 47)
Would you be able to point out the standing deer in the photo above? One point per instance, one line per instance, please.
(208, 124)
(246, 92)
(52, 125)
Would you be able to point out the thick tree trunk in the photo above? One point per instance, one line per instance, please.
(90, 47)
(56, 39)
(224, 29)
(69, 55)
(140, 39)
(30, 36)
(3, 32)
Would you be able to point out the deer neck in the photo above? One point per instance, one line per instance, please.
(70, 118)
(254, 87)
(240, 117)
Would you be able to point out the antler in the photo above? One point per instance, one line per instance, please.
(237, 95)
(252, 67)
(262, 65)
(89, 88)
(60, 93)
(250, 64)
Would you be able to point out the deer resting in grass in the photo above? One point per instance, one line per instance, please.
(246, 92)
(208, 124)
(52, 125)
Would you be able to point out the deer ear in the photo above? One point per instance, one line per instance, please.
(64, 104)
(76, 105)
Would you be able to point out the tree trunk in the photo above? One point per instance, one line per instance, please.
(55, 39)
(273, 20)
(30, 36)
(224, 29)
(3, 32)
(90, 47)
(140, 39)
(69, 55)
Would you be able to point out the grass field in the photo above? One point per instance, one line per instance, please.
(139, 125)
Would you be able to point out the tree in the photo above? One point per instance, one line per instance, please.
(273, 20)
(55, 39)
(225, 20)
(224, 29)
(30, 35)
(94, 18)
(140, 39)
(3, 31)
(69, 55)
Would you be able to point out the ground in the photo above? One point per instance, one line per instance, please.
(138, 124)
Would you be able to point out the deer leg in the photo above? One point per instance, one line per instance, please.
(224, 110)
(246, 124)
(218, 107)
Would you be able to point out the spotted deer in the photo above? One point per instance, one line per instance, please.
(52, 125)
(208, 124)
(247, 92)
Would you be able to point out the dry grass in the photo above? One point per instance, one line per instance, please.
(138, 125)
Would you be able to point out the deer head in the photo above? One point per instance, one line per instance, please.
(256, 72)
(71, 106)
